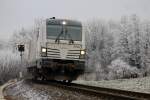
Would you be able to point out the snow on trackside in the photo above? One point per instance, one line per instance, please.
(27, 92)
(134, 84)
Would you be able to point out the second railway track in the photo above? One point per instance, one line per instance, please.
(108, 93)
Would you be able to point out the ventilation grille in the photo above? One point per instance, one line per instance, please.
(73, 54)
(53, 53)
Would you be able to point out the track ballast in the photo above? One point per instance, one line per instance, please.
(108, 93)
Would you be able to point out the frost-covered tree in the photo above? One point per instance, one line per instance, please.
(123, 42)
(134, 42)
(99, 45)
(10, 60)
(119, 69)
(130, 40)
(145, 47)
(127, 40)
(27, 37)
(10, 65)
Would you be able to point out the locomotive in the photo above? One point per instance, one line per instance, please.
(58, 51)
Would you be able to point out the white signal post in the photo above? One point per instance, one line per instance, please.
(21, 49)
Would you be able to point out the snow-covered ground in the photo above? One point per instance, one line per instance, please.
(23, 91)
(30, 91)
(134, 84)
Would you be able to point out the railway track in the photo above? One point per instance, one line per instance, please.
(108, 93)
(2, 88)
(113, 93)
(99, 92)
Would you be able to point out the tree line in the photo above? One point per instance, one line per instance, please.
(115, 49)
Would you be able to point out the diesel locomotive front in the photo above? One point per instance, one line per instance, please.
(59, 51)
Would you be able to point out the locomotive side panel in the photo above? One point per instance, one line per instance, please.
(38, 40)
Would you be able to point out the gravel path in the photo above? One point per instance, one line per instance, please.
(29, 91)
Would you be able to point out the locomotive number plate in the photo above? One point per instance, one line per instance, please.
(64, 46)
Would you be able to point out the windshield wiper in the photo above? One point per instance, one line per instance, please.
(71, 40)
(57, 39)
(69, 36)
(66, 33)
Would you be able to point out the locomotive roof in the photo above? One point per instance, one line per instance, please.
(59, 22)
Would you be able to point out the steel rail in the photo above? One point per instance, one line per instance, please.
(116, 92)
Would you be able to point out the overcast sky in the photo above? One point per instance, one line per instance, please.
(15, 14)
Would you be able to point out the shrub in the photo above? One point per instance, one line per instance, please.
(120, 69)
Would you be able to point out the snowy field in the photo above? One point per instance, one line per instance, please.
(136, 84)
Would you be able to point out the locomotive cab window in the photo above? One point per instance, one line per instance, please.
(64, 32)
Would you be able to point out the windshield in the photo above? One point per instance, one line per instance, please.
(69, 32)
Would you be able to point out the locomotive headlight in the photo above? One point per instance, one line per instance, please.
(64, 23)
(82, 52)
(43, 50)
